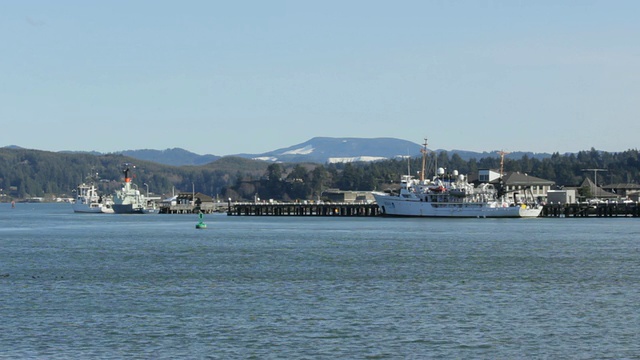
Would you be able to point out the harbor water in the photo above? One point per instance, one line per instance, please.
(155, 287)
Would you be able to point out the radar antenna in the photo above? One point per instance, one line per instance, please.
(424, 159)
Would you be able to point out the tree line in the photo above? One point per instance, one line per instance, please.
(308, 182)
(33, 173)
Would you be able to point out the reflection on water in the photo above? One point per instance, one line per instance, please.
(152, 286)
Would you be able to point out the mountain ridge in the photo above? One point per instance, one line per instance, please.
(315, 150)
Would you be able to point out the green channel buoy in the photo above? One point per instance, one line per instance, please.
(201, 224)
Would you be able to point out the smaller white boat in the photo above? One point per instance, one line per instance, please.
(151, 209)
(87, 200)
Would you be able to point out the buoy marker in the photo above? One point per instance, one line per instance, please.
(201, 224)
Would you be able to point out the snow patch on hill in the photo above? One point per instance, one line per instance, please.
(334, 160)
(265, 158)
(301, 151)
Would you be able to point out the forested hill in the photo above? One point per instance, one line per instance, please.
(27, 173)
(175, 156)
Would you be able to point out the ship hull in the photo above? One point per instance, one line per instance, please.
(396, 206)
(127, 209)
(92, 209)
(82, 205)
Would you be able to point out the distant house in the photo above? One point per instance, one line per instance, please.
(598, 192)
(631, 191)
(536, 187)
(518, 185)
(187, 203)
(488, 175)
(196, 199)
(335, 195)
(564, 196)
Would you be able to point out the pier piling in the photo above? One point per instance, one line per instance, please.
(301, 209)
(588, 210)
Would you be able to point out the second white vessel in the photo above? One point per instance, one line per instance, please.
(129, 200)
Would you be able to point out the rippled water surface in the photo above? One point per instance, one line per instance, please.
(152, 286)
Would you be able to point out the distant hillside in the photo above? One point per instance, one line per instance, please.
(333, 150)
(233, 164)
(27, 173)
(319, 150)
(466, 155)
(175, 156)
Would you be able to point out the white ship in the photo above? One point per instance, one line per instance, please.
(129, 200)
(87, 200)
(449, 195)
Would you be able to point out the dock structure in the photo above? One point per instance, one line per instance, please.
(205, 208)
(371, 209)
(302, 209)
(589, 210)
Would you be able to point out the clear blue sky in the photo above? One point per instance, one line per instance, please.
(227, 77)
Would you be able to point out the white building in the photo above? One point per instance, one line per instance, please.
(519, 185)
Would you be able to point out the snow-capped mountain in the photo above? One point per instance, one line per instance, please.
(332, 150)
(319, 150)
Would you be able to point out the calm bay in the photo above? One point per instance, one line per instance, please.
(152, 286)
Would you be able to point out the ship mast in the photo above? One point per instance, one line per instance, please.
(424, 159)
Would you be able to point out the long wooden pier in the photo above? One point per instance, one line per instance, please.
(371, 209)
(302, 209)
(587, 210)
(205, 208)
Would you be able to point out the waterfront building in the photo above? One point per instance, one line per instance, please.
(519, 185)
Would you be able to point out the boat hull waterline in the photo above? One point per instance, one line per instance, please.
(92, 208)
(126, 209)
(396, 206)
